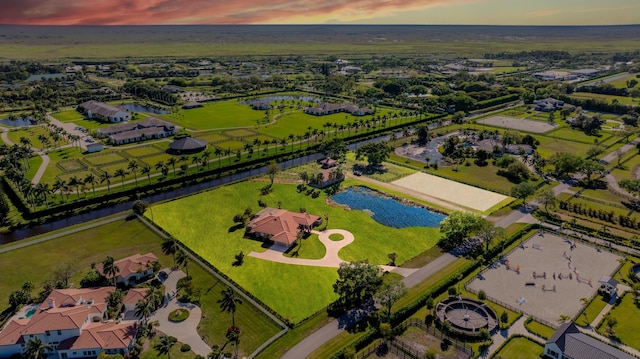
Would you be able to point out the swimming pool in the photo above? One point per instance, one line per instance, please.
(30, 313)
(388, 211)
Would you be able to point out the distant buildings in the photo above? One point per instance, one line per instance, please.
(104, 112)
(548, 104)
(330, 108)
(146, 129)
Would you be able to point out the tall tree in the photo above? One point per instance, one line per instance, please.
(133, 166)
(170, 247)
(457, 226)
(272, 171)
(91, 179)
(182, 259)
(110, 269)
(172, 162)
(146, 170)
(546, 197)
(106, 177)
(357, 282)
(389, 294)
(229, 303)
(164, 345)
(120, 172)
(36, 349)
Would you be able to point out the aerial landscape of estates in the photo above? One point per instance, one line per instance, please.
(190, 187)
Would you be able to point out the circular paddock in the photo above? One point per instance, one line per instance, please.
(466, 316)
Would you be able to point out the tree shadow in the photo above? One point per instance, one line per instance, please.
(235, 228)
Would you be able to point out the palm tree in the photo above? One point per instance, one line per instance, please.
(109, 269)
(91, 179)
(182, 260)
(36, 349)
(122, 173)
(75, 182)
(291, 138)
(164, 344)
(170, 247)
(228, 303)
(144, 308)
(159, 165)
(197, 161)
(218, 152)
(106, 177)
(133, 166)
(59, 185)
(205, 157)
(563, 318)
(43, 190)
(146, 170)
(172, 162)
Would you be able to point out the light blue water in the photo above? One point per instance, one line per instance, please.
(386, 210)
(134, 107)
(29, 314)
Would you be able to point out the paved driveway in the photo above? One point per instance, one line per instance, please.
(186, 331)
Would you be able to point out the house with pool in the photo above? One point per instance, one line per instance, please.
(72, 322)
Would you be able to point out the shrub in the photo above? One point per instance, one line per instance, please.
(185, 348)
(178, 315)
(482, 295)
(452, 290)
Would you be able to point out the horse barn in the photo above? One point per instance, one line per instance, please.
(104, 112)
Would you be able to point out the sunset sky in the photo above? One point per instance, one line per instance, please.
(490, 12)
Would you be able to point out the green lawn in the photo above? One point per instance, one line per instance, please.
(32, 133)
(570, 134)
(120, 239)
(627, 328)
(521, 348)
(540, 329)
(210, 233)
(223, 114)
(591, 312)
(549, 146)
(623, 100)
(68, 116)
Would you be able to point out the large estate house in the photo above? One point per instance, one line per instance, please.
(330, 108)
(104, 112)
(133, 269)
(282, 226)
(548, 105)
(72, 322)
(569, 343)
(146, 129)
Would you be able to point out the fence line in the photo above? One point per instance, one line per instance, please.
(435, 332)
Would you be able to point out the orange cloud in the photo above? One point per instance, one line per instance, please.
(143, 12)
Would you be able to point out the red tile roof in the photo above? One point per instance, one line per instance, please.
(132, 264)
(281, 224)
(102, 335)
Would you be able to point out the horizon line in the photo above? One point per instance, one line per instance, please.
(345, 24)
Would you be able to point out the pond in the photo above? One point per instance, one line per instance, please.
(18, 122)
(388, 211)
(134, 107)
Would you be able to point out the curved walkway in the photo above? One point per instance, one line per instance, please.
(187, 330)
(331, 258)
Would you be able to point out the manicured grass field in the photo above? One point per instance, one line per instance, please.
(567, 133)
(623, 100)
(549, 146)
(521, 348)
(536, 327)
(68, 116)
(591, 312)
(627, 328)
(32, 133)
(201, 223)
(223, 114)
(120, 239)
